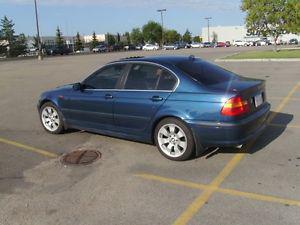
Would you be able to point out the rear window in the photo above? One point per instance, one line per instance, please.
(206, 73)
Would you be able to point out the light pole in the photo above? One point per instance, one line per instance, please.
(161, 11)
(208, 36)
(40, 55)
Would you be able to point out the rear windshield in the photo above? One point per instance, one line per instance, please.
(206, 73)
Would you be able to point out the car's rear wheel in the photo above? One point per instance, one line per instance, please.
(51, 118)
(174, 139)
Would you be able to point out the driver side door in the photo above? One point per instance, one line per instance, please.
(92, 107)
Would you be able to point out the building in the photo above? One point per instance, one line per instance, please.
(49, 41)
(233, 33)
(224, 33)
(89, 38)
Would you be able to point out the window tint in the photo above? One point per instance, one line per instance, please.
(206, 73)
(106, 78)
(149, 77)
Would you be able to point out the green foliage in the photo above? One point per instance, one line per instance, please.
(59, 39)
(271, 17)
(136, 36)
(94, 41)
(78, 42)
(110, 39)
(172, 36)
(18, 47)
(197, 39)
(187, 36)
(7, 30)
(128, 40)
(152, 32)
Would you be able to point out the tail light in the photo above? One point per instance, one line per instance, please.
(235, 106)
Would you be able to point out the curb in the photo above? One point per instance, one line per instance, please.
(259, 60)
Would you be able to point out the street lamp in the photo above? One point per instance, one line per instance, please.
(208, 36)
(40, 56)
(161, 11)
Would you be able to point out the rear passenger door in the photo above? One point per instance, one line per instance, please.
(145, 89)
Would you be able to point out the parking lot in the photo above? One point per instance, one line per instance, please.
(132, 183)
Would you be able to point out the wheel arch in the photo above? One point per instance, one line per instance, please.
(198, 146)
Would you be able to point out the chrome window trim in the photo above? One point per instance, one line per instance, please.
(136, 90)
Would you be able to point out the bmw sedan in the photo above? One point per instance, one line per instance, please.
(181, 104)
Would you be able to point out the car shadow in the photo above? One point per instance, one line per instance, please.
(272, 131)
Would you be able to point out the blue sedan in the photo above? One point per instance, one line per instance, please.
(182, 104)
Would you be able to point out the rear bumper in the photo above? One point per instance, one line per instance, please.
(219, 134)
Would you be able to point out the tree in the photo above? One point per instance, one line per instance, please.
(127, 35)
(7, 35)
(19, 46)
(94, 41)
(59, 39)
(152, 32)
(172, 36)
(187, 36)
(110, 39)
(118, 38)
(271, 17)
(136, 36)
(197, 39)
(78, 42)
(215, 37)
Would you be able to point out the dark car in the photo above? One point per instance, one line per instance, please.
(293, 41)
(100, 48)
(58, 51)
(182, 104)
(207, 44)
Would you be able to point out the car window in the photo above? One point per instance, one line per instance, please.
(149, 77)
(206, 73)
(106, 78)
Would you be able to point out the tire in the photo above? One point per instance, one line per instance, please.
(174, 139)
(51, 118)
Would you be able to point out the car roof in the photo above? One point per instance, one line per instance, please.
(159, 59)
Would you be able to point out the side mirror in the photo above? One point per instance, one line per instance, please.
(77, 87)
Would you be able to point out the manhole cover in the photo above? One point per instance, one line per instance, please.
(81, 157)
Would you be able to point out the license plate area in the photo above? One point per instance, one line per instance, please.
(258, 100)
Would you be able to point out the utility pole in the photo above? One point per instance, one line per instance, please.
(40, 55)
(208, 35)
(161, 11)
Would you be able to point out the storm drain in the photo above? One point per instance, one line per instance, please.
(81, 157)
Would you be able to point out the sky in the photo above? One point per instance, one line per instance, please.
(102, 16)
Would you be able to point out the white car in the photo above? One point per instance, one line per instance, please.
(239, 43)
(150, 47)
(196, 45)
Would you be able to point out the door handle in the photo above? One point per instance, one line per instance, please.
(108, 96)
(156, 98)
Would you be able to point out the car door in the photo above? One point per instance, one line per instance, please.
(145, 89)
(92, 106)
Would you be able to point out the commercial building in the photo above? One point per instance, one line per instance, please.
(233, 33)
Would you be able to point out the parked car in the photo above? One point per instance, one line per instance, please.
(100, 48)
(129, 47)
(239, 43)
(170, 47)
(227, 43)
(187, 45)
(293, 41)
(58, 51)
(221, 44)
(196, 45)
(150, 47)
(139, 47)
(182, 104)
(207, 45)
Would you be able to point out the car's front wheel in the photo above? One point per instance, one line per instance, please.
(51, 118)
(174, 139)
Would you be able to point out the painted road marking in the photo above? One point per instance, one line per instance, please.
(29, 148)
(249, 195)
